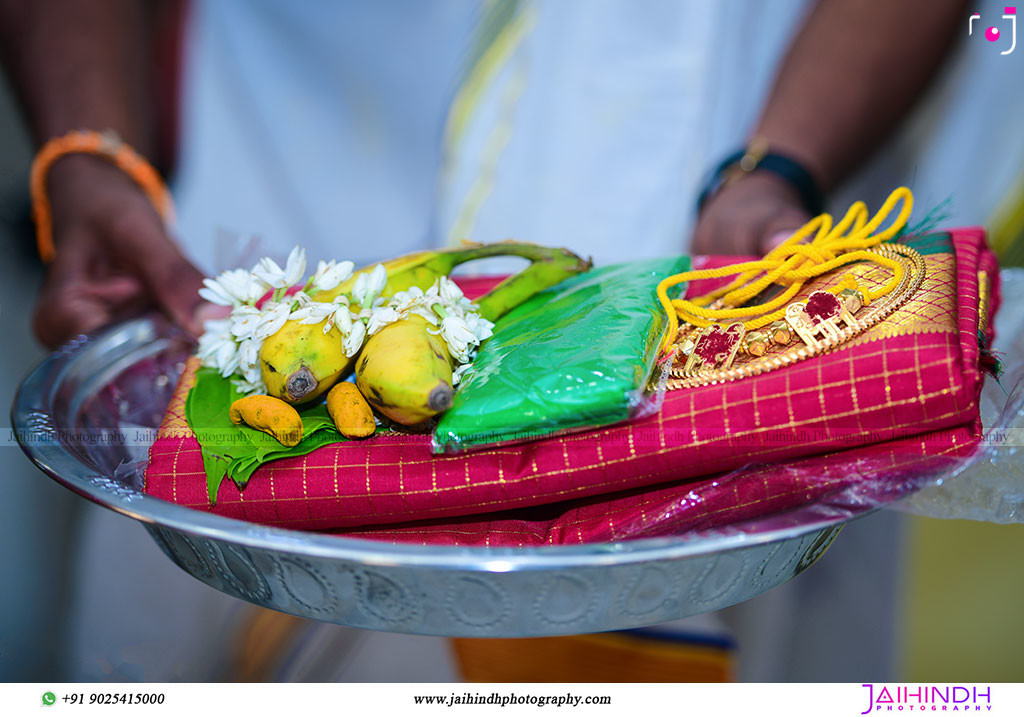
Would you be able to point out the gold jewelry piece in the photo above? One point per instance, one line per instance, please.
(716, 347)
(824, 322)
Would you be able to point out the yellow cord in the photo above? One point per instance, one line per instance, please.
(791, 264)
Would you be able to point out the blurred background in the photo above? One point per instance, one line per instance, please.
(85, 595)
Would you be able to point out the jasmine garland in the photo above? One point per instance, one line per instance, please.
(232, 345)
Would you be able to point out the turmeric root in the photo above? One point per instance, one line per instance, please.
(350, 412)
(270, 415)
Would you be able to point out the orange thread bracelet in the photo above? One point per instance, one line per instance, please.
(101, 144)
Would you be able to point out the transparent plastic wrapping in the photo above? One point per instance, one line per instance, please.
(581, 355)
(990, 487)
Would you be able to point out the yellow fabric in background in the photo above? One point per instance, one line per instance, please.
(1006, 227)
(604, 657)
(963, 611)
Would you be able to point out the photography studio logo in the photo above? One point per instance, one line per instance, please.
(993, 34)
(928, 698)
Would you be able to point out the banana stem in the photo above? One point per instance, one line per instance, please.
(548, 267)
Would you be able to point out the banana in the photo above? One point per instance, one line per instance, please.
(300, 361)
(405, 372)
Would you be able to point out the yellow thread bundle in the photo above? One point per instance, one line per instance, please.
(791, 264)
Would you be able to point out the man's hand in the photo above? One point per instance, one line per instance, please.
(750, 216)
(114, 258)
(851, 74)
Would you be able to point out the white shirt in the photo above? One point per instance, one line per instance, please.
(323, 124)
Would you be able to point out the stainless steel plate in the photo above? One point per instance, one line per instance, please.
(114, 388)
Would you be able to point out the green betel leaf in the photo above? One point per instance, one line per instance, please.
(242, 468)
(238, 451)
(206, 410)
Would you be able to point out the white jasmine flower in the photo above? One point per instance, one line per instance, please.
(232, 288)
(369, 285)
(228, 365)
(481, 327)
(458, 336)
(313, 312)
(217, 347)
(249, 358)
(274, 317)
(215, 333)
(244, 320)
(250, 388)
(274, 276)
(359, 289)
(448, 290)
(249, 368)
(354, 340)
(381, 317)
(267, 271)
(295, 268)
(342, 317)
(365, 312)
(216, 328)
(215, 293)
(408, 296)
(221, 353)
(300, 298)
(329, 274)
(425, 312)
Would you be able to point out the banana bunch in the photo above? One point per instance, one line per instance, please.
(404, 370)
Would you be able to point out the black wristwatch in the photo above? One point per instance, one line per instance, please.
(757, 158)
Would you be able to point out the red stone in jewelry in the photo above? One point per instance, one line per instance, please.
(718, 343)
(821, 306)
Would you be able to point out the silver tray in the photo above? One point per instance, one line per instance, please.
(120, 381)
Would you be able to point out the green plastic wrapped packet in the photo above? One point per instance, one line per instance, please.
(579, 355)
